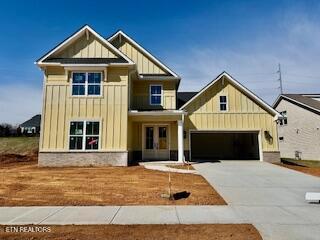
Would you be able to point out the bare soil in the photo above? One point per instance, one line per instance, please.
(23, 183)
(314, 171)
(130, 232)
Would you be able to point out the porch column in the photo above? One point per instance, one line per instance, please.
(180, 141)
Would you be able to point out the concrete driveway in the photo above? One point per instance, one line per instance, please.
(269, 196)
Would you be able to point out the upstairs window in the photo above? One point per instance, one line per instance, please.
(284, 120)
(86, 83)
(84, 135)
(155, 94)
(223, 103)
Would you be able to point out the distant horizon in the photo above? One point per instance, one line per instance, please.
(196, 40)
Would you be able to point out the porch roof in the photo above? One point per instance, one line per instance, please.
(156, 115)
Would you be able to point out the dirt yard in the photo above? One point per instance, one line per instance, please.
(23, 183)
(128, 232)
(315, 171)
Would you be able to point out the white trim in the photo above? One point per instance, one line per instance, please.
(78, 34)
(153, 125)
(86, 84)
(258, 131)
(180, 130)
(276, 103)
(157, 94)
(157, 113)
(84, 135)
(143, 50)
(227, 103)
(247, 91)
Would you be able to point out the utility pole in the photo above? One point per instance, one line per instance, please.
(280, 78)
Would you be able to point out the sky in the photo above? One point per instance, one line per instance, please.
(196, 39)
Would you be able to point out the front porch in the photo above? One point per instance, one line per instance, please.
(155, 136)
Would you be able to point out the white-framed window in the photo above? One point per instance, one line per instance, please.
(223, 103)
(86, 83)
(155, 94)
(84, 135)
(284, 120)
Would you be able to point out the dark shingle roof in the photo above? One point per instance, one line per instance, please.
(85, 60)
(154, 74)
(33, 122)
(183, 97)
(304, 99)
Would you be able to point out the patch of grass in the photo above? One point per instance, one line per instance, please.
(18, 145)
(159, 232)
(303, 163)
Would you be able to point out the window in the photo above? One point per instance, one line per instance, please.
(155, 94)
(84, 135)
(86, 83)
(284, 120)
(223, 103)
(281, 138)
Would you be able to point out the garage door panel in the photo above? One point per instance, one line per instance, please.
(224, 146)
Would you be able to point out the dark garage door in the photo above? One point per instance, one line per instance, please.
(224, 146)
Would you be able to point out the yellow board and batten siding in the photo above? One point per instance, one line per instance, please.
(60, 107)
(243, 114)
(141, 95)
(86, 48)
(145, 65)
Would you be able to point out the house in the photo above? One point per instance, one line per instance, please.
(31, 126)
(111, 102)
(299, 130)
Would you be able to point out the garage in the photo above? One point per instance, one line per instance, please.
(207, 145)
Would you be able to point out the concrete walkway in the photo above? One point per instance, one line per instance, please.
(269, 196)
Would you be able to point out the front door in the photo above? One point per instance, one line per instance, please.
(155, 144)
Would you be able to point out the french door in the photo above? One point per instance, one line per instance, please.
(155, 142)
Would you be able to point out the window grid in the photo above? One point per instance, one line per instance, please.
(152, 95)
(87, 84)
(84, 136)
(223, 103)
(284, 120)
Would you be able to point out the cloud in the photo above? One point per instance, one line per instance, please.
(295, 43)
(19, 102)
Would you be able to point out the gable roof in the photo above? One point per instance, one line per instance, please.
(302, 100)
(183, 97)
(241, 87)
(143, 50)
(67, 41)
(32, 122)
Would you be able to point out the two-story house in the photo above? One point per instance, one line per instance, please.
(299, 130)
(111, 102)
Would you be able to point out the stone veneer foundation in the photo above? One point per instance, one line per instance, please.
(272, 157)
(62, 159)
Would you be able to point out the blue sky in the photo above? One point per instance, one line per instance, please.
(197, 39)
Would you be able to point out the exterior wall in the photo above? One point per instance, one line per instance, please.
(111, 109)
(272, 157)
(135, 137)
(144, 64)
(83, 48)
(302, 133)
(62, 159)
(141, 96)
(243, 114)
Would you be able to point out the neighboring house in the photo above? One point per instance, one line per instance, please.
(31, 126)
(299, 130)
(109, 101)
